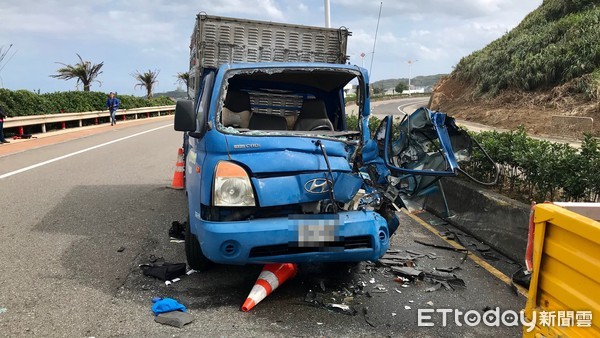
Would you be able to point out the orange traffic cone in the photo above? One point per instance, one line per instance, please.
(270, 278)
(179, 169)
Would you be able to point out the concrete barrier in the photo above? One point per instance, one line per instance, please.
(494, 219)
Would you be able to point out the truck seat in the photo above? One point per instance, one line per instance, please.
(313, 115)
(267, 122)
(236, 109)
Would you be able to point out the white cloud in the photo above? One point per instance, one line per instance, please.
(154, 34)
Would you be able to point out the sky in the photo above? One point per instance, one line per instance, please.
(142, 35)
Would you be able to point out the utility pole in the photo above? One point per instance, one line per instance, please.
(410, 62)
(327, 15)
(375, 40)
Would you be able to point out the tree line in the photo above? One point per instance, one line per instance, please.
(86, 73)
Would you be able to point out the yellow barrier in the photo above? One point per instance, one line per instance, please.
(564, 294)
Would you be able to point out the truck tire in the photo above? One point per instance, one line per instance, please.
(193, 252)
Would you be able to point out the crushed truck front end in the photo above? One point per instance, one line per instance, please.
(274, 178)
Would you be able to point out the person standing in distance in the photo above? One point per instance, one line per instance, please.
(112, 104)
(2, 116)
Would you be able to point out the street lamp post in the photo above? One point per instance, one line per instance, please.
(410, 62)
(327, 15)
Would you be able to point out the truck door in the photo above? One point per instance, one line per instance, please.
(421, 148)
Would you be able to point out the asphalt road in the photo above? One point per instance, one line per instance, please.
(398, 107)
(61, 273)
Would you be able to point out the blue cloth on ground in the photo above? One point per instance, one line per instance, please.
(167, 305)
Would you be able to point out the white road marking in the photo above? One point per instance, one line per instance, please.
(18, 171)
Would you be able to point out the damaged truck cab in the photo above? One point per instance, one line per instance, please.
(271, 172)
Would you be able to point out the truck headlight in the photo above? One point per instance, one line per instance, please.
(232, 187)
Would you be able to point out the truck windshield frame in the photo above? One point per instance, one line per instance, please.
(279, 95)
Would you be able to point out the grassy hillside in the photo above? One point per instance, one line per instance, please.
(557, 43)
(419, 81)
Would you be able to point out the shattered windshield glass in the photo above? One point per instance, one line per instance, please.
(287, 101)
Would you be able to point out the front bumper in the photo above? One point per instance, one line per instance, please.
(359, 236)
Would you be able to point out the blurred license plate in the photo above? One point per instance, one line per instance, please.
(316, 233)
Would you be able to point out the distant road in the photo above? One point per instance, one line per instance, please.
(398, 106)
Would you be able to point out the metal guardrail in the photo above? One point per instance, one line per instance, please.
(31, 120)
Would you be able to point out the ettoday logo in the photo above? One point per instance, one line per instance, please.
(495, 318)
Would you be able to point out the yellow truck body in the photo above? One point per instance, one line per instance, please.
(565, 281)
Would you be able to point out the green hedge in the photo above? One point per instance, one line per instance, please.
(24, 102)
(537, 170)
(531, 169)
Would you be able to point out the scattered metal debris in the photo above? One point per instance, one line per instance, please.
(448, 280)
(365, 311)
(430, 303)
(341, 308)
(444, 247)
(406, 307)
(408, 272)
(121, 249)
(436, 287)
(448, 269)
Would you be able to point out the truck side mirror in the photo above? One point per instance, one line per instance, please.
(185, 116)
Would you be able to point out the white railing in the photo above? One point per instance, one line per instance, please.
(122, 114)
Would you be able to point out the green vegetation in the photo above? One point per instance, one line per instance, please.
(556, 43)
(400, 87)
(535, 170)
(24, 102)
(146, 80)
(84, 71)
(531, 169)
(352, 123)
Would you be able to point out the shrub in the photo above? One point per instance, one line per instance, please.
(24, 102)
(538, 170)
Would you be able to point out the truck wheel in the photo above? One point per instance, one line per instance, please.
(195, 257)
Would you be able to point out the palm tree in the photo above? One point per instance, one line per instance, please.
(184, 78)
(84, 71)
(146, 80)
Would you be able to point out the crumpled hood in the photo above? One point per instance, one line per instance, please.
(278, 154)
(290, 170)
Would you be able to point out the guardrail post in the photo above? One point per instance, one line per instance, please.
(80, 123)
(124, 117)
(20, 130)
(43, 127)
(148, 115)
(63, 125)
(95, 120)
(135, 116)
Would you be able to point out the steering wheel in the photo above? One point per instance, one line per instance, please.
(321, 127)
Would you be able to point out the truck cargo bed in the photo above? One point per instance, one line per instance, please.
(217, 40)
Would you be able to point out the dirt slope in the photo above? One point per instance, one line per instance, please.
(533, 110)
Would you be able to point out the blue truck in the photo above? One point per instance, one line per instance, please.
(272, 171)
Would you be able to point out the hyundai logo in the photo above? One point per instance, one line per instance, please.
(317, 185)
